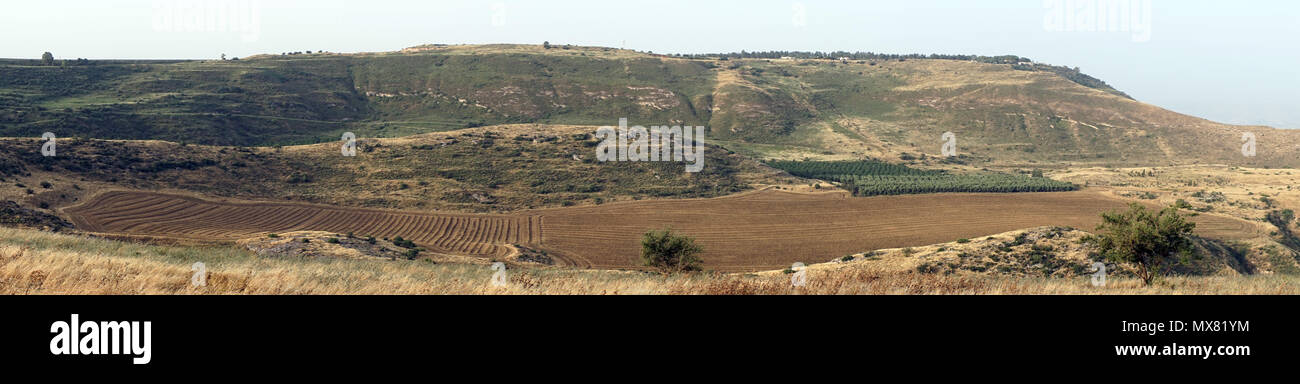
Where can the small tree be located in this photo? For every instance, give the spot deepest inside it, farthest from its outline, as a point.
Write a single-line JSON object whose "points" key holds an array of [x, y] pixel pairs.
{"points": [[47, 59], [670, 253], [546, 45], [1143, 238]]}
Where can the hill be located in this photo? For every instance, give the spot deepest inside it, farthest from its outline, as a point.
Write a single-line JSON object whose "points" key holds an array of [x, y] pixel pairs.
{"points": [[488, 169], [1004, 112]]}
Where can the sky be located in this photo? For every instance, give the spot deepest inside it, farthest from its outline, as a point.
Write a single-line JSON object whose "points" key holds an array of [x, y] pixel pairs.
{"points": [[1229, 61]]}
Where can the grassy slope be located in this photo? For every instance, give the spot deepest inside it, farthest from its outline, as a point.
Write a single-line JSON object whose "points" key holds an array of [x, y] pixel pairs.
{"points": [[312, 98], [475, 170], [1002, 116], [766, 108], [33, 262]]}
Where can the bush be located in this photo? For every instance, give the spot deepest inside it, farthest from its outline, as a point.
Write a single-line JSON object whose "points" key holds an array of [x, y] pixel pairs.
{"points": [[1145, 239], [670, 253], [404, 243]]}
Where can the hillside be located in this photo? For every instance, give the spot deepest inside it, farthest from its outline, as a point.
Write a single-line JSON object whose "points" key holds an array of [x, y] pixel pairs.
{"points": [[34, 262], [487, 151], [1003, 114], [488, 169]]}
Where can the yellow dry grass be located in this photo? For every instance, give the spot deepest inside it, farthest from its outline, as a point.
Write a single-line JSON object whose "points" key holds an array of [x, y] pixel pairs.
{"points": [[34, 262]]}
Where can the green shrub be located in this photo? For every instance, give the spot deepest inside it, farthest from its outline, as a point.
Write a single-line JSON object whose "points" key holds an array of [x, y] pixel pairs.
{"points": [[404, 243], [1148, 240], [670, 253], [874, 178]]}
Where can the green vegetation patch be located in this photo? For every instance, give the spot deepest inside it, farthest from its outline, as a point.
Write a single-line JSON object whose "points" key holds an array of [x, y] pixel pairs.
{"points": [[876, 178]]}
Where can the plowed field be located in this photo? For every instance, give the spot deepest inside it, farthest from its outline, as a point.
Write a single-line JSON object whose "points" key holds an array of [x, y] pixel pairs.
{"points": [[755, 231]]}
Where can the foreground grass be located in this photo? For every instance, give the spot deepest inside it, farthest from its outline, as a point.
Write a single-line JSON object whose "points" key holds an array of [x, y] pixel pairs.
{"points": [[34, 262]]}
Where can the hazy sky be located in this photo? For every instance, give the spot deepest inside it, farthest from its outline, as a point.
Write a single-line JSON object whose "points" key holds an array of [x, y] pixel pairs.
{"points": [[1230, 61]]}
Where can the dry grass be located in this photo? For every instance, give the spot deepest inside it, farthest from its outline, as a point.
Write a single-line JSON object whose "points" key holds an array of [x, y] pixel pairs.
{"points": [[34, 262]]}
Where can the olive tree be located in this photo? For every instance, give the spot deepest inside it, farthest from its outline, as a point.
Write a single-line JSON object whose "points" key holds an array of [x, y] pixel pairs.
{"points": [[670, 253], [1149, 240]]}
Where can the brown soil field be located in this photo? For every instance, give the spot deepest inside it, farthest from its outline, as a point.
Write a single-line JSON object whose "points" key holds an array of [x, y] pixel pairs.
{"points": [[189, 218], [747, 232]]}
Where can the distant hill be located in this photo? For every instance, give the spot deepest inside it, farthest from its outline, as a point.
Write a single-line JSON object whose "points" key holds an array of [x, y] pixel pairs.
{"points": [[1004, 110]]}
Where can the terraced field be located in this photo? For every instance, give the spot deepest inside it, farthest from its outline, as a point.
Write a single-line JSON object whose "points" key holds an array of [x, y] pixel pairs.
{"points": [[181, 217], [747, 232]]}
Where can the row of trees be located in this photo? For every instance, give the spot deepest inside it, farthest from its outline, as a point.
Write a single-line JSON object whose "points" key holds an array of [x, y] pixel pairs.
{"points": [[547, 45], [47, 59], [1022, 63], [875, 178], [1073, 74], [878, 185], [1005, 59], [821, 169]]}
